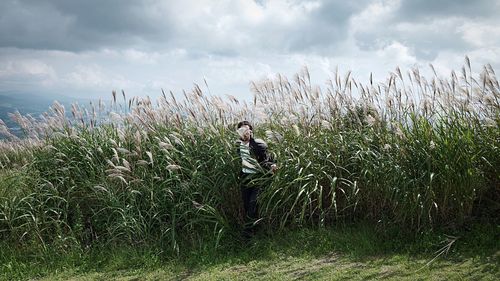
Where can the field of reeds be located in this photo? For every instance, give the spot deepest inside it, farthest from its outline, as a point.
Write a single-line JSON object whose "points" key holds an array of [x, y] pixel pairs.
{"points": [[414, 152]]}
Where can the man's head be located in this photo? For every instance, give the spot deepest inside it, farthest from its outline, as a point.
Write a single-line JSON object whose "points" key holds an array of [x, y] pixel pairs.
{"points": [[245, 130]]}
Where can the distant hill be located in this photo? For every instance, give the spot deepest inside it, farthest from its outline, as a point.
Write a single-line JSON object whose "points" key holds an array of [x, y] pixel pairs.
{"points": [[34, 104]]}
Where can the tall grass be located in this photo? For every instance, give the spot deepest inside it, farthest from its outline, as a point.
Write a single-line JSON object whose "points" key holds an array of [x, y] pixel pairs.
{"points": [[416, 152]]}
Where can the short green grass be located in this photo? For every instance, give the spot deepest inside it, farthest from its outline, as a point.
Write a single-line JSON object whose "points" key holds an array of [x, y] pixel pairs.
{"points": [[350, 252], [329, 267]]}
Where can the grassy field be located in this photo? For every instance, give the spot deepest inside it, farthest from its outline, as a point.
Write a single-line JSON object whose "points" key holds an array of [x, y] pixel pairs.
{"points": [[414, 157], [355, 252], [330, 267], [394, 268]]}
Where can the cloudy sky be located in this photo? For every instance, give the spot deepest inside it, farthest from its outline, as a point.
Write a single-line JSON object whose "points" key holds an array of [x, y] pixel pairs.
{"points": [[88, 48]]}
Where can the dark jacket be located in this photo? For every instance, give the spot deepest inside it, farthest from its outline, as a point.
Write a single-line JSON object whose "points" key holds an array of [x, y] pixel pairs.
{"points": [[258, 150]]}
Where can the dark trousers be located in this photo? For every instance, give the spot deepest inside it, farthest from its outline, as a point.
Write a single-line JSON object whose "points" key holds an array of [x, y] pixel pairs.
{"points": [[249, 194]]}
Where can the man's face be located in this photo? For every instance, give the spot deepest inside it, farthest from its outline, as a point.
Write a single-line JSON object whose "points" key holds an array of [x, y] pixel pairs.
{"points": [[245, 132]]}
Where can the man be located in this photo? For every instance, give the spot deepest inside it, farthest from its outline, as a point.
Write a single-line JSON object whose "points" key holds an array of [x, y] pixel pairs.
{"points": [[255, 161]]}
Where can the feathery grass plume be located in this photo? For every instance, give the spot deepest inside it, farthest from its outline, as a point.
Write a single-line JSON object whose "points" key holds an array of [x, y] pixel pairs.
{"points": [[173, 167], [413, 151]]}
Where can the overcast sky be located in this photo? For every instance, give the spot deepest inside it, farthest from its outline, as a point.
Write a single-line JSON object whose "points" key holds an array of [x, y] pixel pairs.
{"points": [[88, 48]]}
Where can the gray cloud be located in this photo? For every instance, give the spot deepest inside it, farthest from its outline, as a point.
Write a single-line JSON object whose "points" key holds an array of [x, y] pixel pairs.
{"points": [[326, 27], [227, 28], [427, 40], [413, 10], [94, 46], [428, 27], [150, 25], [79, 25]]}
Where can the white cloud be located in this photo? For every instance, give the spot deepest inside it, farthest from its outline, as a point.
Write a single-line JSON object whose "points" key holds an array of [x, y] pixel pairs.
{"points": [[96, 81], [140, 57], [143, 46], [374, 15], [480, 34], [396, 53], [447, 61], [26, 67]]}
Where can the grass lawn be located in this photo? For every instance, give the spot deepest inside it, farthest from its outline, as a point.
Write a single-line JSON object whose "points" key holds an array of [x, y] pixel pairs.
{"points": [[354, 252], [329, 267]]}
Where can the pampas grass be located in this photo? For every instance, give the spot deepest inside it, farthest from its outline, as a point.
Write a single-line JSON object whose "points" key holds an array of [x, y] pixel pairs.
{"points": [[414, 151]]}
